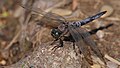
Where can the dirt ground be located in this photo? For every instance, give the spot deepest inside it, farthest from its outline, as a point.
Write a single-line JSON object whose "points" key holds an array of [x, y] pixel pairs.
{"points": [[41, 55]]}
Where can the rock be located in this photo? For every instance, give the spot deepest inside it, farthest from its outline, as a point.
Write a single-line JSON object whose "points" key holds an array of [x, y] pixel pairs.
{"points": [[111, 65], [100, 34], [96, 66], [107, 8]]}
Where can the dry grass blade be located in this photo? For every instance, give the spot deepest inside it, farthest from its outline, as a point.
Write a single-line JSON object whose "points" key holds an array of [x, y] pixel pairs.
{"points": [[112, 59], [14, 40], [84, 48]]}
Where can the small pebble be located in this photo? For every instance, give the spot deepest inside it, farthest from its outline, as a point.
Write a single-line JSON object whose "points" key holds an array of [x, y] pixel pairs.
{"points": [[3, 62], [107, 8], [111, 65], [100, 34], [96, 66], [31, 67]]}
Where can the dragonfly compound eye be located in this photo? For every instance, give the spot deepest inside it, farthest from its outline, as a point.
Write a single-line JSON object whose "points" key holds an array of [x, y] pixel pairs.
{"points": [[56, 33]]}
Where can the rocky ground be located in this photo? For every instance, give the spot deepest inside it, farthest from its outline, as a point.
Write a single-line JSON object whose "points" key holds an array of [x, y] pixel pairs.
{"points": [[41, 55]]}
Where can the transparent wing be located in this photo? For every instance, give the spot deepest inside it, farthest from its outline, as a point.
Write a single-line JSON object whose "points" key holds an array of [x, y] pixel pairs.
{"points": [[77, 36], [38, 11], [87, 39]]}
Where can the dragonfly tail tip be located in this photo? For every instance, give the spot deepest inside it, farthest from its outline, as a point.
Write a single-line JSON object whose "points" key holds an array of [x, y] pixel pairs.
{"points": [[104, 12]]}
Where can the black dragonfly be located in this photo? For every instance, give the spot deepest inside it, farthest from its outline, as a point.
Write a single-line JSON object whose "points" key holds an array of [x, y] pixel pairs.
{"points": [[60, 28]]}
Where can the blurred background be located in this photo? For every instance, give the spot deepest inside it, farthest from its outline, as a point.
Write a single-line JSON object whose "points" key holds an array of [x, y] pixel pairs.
{"points": [[17, 38]]}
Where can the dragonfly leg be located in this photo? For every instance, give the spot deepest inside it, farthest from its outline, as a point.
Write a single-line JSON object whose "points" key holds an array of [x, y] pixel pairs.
{"points": [[75, 49], [58, 46], [74, 45], [61, 43], [53, 41]]}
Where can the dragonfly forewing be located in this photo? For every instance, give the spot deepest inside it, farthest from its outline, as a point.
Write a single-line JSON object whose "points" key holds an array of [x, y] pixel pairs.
{"points": [[88, 40], [48, 18], [84, 49]]}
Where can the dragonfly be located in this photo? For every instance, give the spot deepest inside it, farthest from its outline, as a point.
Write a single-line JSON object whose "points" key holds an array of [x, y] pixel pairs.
{"points": [[79, 36], [60, 27]]}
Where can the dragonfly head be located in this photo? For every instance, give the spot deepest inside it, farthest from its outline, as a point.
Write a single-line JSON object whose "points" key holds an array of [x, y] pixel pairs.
{"points": [[56, 33]]}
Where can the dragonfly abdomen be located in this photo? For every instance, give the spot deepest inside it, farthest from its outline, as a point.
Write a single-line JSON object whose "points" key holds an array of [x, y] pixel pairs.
{"points": [[87, 20]]}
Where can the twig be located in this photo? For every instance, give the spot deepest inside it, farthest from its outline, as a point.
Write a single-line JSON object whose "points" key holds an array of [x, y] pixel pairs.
{"points": [[113, 18], [112, 59], [13, 40]]}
